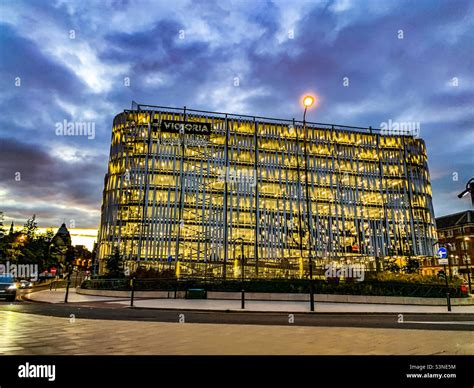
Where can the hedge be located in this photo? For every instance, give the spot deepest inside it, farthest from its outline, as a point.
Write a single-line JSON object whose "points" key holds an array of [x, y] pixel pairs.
{"points": [[368, 287]]}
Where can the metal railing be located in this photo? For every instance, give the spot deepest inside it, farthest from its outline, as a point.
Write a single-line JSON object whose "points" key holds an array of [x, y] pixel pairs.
{"points": [[221, 115], [321, 286]]}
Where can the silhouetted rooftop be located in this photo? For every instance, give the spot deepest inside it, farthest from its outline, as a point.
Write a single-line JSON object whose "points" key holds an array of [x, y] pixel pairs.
{"points": [[456, 219]]}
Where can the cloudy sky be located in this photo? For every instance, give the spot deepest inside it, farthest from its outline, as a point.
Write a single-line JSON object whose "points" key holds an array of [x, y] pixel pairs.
{"points": [[368, 61]]}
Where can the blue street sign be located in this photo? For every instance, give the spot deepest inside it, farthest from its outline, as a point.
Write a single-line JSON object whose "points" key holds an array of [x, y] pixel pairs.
{"points": [[442, 253], [170, 259]]}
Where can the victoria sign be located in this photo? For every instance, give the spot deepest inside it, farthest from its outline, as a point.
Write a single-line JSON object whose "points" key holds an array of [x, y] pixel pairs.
{"points": [[185, 127]]}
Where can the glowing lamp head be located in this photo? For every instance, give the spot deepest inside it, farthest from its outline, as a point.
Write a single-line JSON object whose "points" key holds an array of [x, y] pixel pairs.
{"points": [[308, 101]]}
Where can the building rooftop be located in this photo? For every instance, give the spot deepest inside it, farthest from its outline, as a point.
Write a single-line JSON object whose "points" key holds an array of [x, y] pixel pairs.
{"points": [[62, 236], [369, 130], [456, 219]]}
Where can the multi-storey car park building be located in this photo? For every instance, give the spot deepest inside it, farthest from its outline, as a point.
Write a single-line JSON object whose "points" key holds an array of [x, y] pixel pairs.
{"points": [[211, 193]]}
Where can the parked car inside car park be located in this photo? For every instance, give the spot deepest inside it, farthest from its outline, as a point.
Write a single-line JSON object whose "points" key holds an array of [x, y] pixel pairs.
{"points": [[8, 287]]}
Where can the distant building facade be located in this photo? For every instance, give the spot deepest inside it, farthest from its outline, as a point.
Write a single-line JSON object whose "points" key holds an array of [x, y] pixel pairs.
{"points": [[456, 233]]}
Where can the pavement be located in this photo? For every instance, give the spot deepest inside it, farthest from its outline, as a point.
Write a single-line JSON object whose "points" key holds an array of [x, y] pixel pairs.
{"points": [[29, 334], [40, 323], [57, 296]]}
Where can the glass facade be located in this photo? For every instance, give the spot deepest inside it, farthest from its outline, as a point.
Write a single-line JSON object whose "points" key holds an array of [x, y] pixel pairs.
{"points": [[198, 203]]}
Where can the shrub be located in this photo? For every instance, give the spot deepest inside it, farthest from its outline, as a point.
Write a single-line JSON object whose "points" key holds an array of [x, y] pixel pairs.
{"points": [[396, 286], [152, 273]]}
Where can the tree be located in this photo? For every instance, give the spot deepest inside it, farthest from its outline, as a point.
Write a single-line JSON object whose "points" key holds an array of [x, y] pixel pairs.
{"points": [[153, 273], [114, 264], [30, 228], [2, 230], [70, 256], [33, 250], [27, 246], [43, 245], [11, 247], [411, 266], [392, 266]]}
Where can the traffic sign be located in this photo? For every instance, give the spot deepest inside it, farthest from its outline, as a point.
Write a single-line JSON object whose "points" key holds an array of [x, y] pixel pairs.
{"points": [[442, 256], [442, 253], [170, 259]]}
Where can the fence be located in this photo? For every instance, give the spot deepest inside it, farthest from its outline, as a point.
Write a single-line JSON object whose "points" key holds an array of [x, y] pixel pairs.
{"points": [[369, 287]]}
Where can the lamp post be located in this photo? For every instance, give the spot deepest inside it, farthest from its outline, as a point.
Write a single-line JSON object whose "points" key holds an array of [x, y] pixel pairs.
{"points": [[242, 269], [308, 101], [448, 247], [68, 283], [467, 260], [242, 272], [242, 257], [448, 298], [469, 189]]}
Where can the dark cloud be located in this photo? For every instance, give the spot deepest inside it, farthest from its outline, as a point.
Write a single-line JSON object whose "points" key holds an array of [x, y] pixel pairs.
{"points": [[83, 79], [31, 175]]}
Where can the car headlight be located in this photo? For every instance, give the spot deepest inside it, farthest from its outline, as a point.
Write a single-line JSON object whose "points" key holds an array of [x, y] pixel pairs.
{"points": [[13, 287]]}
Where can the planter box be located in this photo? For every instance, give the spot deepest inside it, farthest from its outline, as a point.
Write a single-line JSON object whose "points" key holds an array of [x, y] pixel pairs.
{"points": [[196, 293]]}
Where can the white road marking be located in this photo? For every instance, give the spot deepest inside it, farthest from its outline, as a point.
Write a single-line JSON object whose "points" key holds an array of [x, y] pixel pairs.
{"points": [[442, 323]]}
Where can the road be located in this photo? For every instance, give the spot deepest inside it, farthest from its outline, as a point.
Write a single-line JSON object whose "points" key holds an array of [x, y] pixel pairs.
{"points": [[112, 311], [31, 334], [98, 328]]}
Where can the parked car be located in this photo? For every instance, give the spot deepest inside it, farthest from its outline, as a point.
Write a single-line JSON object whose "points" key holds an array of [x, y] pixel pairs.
{"points": [[26, 284], [8, 287]]}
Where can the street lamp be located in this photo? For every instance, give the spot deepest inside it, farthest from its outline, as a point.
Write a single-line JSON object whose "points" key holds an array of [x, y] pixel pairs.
{"points": [[308, 101], [448, 299], [467, 260], [242, 270], [469, 189]]}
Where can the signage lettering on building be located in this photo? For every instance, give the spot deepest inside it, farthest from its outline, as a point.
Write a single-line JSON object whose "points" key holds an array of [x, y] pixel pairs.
{"points": [[185, 127]]}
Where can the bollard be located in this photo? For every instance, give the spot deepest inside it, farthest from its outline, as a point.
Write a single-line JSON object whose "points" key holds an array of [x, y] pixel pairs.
{"points": [[132, 283], [68, 282], [311, 295], [448, 299], [243, 300]]}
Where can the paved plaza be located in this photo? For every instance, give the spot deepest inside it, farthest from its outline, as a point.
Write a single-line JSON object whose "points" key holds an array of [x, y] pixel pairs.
{"points": [[29, 334], [57, 296]]}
